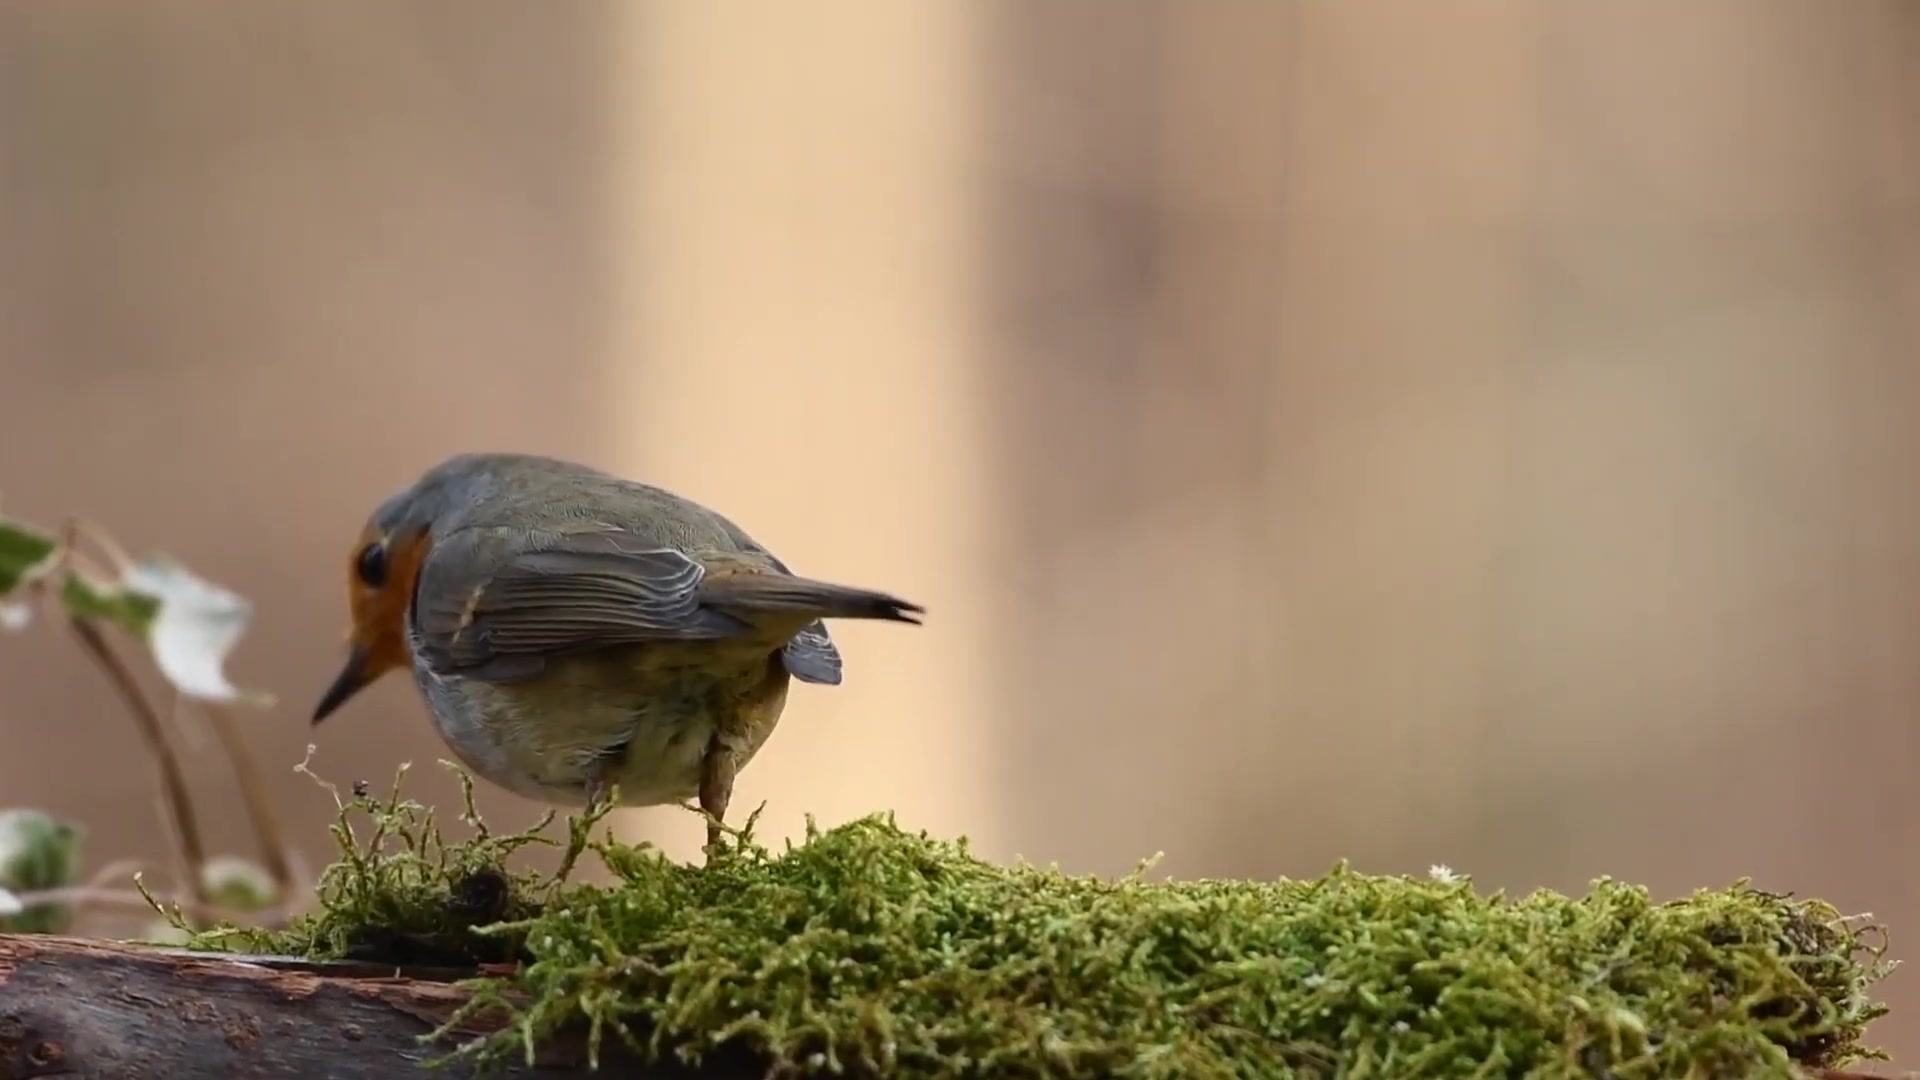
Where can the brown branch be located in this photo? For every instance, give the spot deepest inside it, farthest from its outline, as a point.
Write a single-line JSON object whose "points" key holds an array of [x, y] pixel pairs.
{"points": [[95, 1009], [253, 791], [173, 782]]}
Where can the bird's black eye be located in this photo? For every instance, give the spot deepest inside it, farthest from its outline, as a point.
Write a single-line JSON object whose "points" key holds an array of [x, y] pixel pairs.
{"points": [[372, 565]]}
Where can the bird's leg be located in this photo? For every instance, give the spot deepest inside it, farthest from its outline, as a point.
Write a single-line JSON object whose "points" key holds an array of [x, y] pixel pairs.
{"points": [[601, 771], [716, 790], [596, 788], [599, 790]]}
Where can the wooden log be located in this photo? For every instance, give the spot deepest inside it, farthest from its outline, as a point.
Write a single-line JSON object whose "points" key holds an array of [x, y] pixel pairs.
{"points": [[83, 1008], [103, 1010]]}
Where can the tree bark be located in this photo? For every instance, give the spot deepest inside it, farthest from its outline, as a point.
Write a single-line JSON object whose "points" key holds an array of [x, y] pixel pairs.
{"points": [[83, 1008]]}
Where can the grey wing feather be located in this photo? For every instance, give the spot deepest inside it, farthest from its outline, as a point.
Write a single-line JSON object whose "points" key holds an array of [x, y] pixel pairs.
{"points": [[810, 656], [493, 604]]}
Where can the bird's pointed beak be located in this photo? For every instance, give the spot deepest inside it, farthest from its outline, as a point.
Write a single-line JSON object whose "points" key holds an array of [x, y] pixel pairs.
{"points": [[353, 678]]}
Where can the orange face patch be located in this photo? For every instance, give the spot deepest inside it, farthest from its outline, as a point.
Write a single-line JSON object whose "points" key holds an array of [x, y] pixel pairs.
{"points": [[380, 613]]}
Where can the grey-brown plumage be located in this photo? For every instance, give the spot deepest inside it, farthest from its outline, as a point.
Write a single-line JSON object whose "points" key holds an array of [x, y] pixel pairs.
{"points": [[573, 631]]}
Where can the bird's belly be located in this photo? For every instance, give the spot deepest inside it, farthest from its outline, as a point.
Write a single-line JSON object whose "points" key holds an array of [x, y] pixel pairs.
{"points": [[545, 737]]}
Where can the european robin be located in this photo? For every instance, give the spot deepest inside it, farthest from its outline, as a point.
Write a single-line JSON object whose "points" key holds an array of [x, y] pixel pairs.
{"points": [[574, 633]]}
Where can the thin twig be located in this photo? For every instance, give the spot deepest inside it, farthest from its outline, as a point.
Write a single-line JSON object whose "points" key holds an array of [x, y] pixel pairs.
{"points": [[190, 730], [76, 529], [126, 868], [78, 896], [173, 783], [266, 827], [181, 871], [38, 585], [102, 878], [302, 872]]}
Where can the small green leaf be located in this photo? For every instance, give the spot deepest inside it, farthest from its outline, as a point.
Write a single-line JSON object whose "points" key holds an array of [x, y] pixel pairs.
{"points": [[237, 884], [37, 851], [189, 623], [23, 551], [132, 611]]}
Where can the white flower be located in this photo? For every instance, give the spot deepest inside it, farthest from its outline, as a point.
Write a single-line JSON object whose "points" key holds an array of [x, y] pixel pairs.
{"points": [[1442, 873]]}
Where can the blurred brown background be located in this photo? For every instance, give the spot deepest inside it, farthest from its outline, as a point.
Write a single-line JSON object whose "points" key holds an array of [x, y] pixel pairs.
{"points": [[1480, 436]]}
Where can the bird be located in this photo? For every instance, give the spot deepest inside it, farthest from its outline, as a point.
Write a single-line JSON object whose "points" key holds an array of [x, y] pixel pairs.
{"points": [[576, 635]]}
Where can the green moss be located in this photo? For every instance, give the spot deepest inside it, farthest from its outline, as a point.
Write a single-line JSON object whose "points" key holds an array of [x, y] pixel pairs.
{"points": [[868, 949]]}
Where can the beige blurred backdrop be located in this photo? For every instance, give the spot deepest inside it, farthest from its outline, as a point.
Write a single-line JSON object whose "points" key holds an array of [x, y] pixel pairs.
{"points": [[1478, 434]]}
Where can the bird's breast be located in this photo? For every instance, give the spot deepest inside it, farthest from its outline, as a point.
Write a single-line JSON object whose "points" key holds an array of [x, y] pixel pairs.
{"points": [[647, 715]]}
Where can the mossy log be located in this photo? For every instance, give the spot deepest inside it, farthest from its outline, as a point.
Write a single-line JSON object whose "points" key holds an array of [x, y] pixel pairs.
{"points": [[86, 1009], [867, 951], [83, 1008]]}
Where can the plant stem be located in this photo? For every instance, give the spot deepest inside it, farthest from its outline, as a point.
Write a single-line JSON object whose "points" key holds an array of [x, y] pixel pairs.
{"points": [[124, 868], [80, 896], [77, 529], [173, 783], [266, 827]]}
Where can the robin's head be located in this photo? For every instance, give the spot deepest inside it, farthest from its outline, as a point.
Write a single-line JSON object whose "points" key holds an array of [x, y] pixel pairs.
{"points": [[381, 571], [385, 560]]}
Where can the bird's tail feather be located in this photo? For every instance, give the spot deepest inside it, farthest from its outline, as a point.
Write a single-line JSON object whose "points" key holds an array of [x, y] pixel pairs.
{"points": [[747, 594]]}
